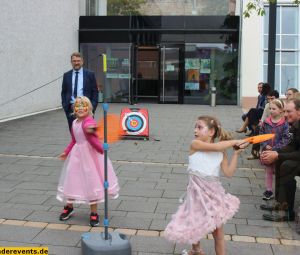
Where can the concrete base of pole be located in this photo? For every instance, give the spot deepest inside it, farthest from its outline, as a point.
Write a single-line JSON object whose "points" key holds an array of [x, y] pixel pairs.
{"points": [[95, 244]]}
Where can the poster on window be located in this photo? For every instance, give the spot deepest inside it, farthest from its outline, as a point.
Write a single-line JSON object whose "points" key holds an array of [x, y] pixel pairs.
{"points": [[193, 75], [205, 65], [191, 86], [192, 63]]}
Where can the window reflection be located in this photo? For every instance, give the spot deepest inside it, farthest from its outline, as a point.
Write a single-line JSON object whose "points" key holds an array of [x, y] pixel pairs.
{"points": [[114, 84], [210, 65]]}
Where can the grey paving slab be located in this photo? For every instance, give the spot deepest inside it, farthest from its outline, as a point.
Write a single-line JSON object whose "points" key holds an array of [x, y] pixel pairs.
{"points": [[149, 192], [58, 237], [145, 215], [174, 186], [33, 207], [246, 230], [15, 168], [32, 199], [166, 208], [36, 185], [265, 223], [8, 213], [6, 160], [20, 177], [63, 250], [230, 229], [165, 200], [125, 222], [154, 245], [237, 221], [247, 199], [140, 185], [44, 216], [132, 198], [16, 244], [131, 191], [5, 196], [8, 184], [19, 234], [286, 250], [243, 248], [249, 211], [133, 206], [289, 233]]}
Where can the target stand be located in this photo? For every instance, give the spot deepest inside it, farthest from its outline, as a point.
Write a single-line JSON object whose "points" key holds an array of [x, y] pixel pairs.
{"points": [[134, 123]]}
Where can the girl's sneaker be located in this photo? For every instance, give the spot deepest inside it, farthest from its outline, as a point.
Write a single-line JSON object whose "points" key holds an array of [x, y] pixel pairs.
{"points": [[267, 195], [94, 219], [66, 214]]}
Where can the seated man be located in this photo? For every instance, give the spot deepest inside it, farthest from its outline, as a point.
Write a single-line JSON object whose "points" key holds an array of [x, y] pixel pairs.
{"points": [[287, 162]]}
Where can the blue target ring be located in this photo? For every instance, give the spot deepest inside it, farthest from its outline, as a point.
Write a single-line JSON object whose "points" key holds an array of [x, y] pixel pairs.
{"points": [[134, 123]]}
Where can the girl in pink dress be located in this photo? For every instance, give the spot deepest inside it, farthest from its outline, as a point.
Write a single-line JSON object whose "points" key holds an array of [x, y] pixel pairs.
{"points": [[82, 176], [206, 207]]}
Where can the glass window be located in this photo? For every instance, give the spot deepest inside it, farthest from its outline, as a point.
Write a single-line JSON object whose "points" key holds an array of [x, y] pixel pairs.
{"points": [[266, 41], [210, 65], [287, 48], [289, 57], [114, 84], [170, 7], [289, 77], [289, 42], [289, 20], [91, 7]]}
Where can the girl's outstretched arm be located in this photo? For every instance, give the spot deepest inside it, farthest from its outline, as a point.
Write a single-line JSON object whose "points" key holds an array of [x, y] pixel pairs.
{"points": [[198, 145], [230, 167]]}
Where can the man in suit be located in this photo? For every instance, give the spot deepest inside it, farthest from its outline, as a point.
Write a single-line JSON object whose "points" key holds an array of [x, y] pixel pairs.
{"points": [[77, 82], [287, 166]]}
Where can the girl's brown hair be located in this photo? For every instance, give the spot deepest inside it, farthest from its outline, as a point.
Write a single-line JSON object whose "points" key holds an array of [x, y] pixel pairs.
{"points": [[213, 123]]}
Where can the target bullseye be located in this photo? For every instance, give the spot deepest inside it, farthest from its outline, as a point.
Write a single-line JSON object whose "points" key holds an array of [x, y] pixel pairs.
{"points": [[134, 122]]}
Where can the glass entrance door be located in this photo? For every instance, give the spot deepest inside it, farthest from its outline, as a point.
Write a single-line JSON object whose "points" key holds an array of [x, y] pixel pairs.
{"points": [[145, 74], [170, 74]]}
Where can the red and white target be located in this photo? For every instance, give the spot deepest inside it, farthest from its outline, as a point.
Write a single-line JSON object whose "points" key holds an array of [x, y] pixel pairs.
{"points": [[134, 122]]}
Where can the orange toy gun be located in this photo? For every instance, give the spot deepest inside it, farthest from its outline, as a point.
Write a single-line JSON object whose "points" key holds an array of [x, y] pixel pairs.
{"points": [[255, 139]]}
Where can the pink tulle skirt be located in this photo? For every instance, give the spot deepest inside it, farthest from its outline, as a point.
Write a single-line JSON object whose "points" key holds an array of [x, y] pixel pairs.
{"points": [[206, 207], [82, 177]]}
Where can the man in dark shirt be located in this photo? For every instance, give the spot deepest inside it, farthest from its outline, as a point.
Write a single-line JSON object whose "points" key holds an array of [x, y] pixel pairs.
{"points": [[287, 162]]}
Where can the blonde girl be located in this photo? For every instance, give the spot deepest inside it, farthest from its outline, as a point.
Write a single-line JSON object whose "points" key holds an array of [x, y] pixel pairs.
{"points": [[275, 124], [82, 177]]}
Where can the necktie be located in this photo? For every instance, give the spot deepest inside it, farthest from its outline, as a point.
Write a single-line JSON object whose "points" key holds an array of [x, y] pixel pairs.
{"points": [[75, 85]]}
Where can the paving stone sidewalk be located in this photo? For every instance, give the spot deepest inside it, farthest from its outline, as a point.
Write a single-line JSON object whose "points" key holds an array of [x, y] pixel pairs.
{"points": [[152, 175]]}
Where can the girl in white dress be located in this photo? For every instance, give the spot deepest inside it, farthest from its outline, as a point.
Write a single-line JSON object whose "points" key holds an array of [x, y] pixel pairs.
{"points": [[206, 207]]}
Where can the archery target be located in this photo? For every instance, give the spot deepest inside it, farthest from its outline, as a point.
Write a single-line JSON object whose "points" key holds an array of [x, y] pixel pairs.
{"points": [[134, 122]]}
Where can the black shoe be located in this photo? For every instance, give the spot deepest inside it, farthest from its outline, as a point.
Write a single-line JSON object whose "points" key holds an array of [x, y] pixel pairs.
{"points": [[273, 207], [94, 219], [267, 195], [66, 214], [279, 218]]}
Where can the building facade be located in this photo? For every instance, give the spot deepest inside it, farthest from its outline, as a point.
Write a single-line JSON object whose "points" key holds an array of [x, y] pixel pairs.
{"points": [[163, 59], [163, 51], [254, 49]]}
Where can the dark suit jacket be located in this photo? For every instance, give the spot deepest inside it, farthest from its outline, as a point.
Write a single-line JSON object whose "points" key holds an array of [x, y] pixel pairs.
{"points": [[292, 150], [89, 89]]}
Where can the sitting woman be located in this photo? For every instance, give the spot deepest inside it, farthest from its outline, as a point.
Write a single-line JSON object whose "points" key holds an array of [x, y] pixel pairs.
{"points": [[290, 93], [253, 116]]}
